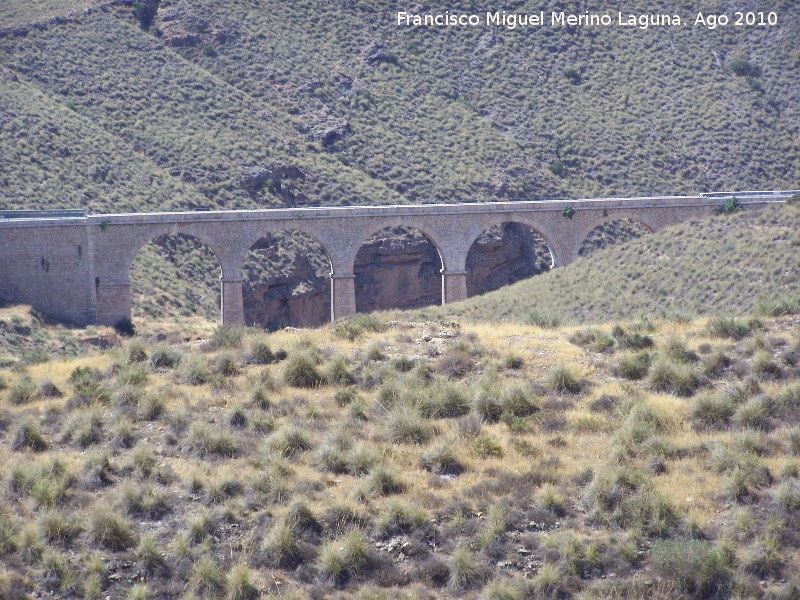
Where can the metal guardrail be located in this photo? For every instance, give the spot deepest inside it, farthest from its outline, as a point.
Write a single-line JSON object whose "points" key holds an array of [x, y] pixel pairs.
{"points": [[66, 213], [751, 194]]}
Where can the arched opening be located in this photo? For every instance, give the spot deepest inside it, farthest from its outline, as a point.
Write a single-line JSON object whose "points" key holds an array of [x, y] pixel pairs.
{"points": [[397, 267], [611, 232], [175, 276], [505, 254], [286, 281]]}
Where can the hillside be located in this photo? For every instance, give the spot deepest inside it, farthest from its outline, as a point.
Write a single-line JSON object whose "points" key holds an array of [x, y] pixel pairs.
{"points": [[117, 106], [730, 264], [426, 460], [211, 89]]}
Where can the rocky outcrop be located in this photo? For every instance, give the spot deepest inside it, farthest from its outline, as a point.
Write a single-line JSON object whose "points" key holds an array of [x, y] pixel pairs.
{"points": [[297, 294], [396, 268], [255, 177], [503, 255]]}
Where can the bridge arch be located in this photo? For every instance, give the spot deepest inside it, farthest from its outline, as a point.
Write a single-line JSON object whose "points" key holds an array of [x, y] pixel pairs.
{"points": [[363, 234], [522, 253], [640, 218], [286, 279], [550, 240], [188, 258], [382, 280]]}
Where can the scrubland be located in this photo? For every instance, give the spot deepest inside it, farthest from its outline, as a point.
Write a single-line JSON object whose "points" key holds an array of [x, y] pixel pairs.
{"points": [[400, 459]]}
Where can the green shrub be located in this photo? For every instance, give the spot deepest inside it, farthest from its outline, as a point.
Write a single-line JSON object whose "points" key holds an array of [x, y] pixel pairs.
{"points": [[731, 206], [744, 68], [226, 336], [207, 578], [281, 544], [194, 371], [633, 365], [466, 570], [206, 440], [563, 380], [406, 426], [557, 168], [23, 390], [693, 565], [442, 459], [110, 530], [732, 327], [164, 356], [301, 371], [711, 410], [346, 557], [27, 436]]}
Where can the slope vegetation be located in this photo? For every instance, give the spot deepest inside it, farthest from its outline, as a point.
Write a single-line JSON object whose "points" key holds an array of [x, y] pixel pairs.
{"points": [[422, 460], [728, 264], [273, 102]]}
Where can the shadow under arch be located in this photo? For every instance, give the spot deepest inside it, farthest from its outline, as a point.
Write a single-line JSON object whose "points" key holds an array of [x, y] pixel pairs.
{"points": [[286, 280], [505, 253], [611, 230], [398, 266], [175, 274]]}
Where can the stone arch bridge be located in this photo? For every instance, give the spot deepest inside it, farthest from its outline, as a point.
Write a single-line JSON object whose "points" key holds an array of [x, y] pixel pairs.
{"points": [[77, 268]]}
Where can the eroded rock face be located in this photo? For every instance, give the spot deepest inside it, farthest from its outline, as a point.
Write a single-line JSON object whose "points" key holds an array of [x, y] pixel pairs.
{"points": [[394, 269], [503, 255], [285, 287]]}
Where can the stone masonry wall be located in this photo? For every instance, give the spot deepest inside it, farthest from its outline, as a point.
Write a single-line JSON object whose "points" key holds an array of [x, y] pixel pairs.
{"points": [[79, 269], [49, 265]]}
